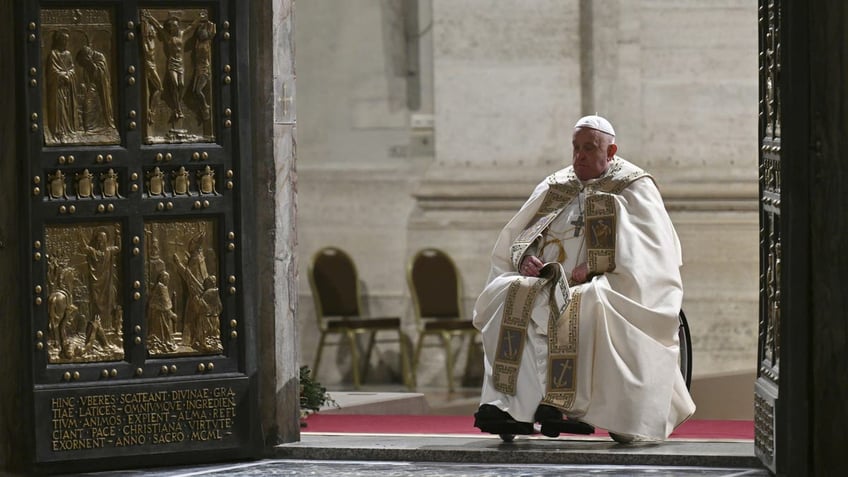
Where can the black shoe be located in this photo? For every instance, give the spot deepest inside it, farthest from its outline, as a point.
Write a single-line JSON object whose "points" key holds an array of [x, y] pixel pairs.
{"points": [[546, 412], [549, 417], [489, 418], [553, 423]]}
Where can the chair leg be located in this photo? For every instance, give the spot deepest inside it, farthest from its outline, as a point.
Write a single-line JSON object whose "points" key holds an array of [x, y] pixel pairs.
{"points": [[406, 368], [318, 354], [354, 357], [366, 363], [417, 358], [446, 344]]}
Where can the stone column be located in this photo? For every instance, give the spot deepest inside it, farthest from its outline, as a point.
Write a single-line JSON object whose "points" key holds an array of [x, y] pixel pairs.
{"points": [[275, 178], [686, 111], [506, 94]]}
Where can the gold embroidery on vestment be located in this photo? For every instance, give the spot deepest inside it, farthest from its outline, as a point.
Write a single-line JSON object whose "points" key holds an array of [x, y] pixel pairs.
{"points": [[562, 189], [600, 235], [518, 307], [562, 356], [563, 324]]}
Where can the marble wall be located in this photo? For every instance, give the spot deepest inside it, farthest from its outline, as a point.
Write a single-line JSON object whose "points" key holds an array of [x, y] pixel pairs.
{"points": [[508, 79], [679, 78]]}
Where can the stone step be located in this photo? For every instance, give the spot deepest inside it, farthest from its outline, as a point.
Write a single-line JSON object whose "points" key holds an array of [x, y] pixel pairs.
{"points": [[378, 403]]}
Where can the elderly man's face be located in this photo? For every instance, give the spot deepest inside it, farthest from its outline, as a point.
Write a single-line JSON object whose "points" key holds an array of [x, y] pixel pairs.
{"points": [[592, 153]]}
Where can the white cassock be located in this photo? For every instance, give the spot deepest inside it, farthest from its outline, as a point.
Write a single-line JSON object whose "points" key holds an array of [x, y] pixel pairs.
{"points": [[623, 321]]}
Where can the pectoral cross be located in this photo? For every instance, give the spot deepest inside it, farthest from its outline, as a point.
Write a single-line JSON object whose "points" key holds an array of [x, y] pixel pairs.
{"points": [[578, 225]]}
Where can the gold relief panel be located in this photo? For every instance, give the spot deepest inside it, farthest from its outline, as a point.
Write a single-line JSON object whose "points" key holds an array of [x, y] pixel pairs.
{"points": [[770, 66], [84, 311], [83, 184], [79, 102], [109, 184], [771, 346], [176, 47], [206, 181], [183, 310], [181, 181], [155, 182], [57, 188]]}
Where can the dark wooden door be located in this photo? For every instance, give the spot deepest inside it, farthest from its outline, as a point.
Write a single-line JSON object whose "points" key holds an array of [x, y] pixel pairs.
{"points": [[134, 154], [801, 386]]}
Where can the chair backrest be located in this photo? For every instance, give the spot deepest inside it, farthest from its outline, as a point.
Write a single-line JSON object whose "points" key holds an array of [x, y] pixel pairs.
{"points": [[435, 285], [335, 283]]}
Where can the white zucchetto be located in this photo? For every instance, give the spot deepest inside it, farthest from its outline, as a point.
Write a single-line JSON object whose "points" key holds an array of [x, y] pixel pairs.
{"points": [[597, 123]]}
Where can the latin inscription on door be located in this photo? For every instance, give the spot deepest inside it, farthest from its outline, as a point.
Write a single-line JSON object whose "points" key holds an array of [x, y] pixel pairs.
{"points": [[101, 421]]}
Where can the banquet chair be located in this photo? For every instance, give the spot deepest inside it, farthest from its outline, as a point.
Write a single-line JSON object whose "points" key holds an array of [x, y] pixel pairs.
{"points": [[338, 308], [436, 288]]}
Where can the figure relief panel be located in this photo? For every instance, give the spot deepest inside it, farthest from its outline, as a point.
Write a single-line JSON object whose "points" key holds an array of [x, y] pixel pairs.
{"points": [[84, 311], [176, 48], [79, 104], [770, 66], [183, 311]]}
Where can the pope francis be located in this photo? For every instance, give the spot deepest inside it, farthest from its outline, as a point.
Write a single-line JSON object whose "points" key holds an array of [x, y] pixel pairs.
{"points": [[579, 316]]}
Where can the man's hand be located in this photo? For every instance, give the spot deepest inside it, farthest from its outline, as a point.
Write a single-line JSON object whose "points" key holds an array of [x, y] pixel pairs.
{"points": [[580, 273], [530, 266]]}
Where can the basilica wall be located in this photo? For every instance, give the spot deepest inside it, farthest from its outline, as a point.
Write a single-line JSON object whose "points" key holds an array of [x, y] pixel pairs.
{"points": [[680, 81], [428, 123]]}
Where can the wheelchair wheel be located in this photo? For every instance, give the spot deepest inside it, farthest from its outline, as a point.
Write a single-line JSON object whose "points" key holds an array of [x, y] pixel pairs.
{"points": [[685, 349], [507, 437]]}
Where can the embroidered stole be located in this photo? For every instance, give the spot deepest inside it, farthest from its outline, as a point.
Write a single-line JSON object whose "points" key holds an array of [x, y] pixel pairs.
{"points": [[518, 308], [563, 323]]}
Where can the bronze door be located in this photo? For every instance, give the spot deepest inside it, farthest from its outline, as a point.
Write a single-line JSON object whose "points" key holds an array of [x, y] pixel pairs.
{"points": [[768, 370], [137, 170]]}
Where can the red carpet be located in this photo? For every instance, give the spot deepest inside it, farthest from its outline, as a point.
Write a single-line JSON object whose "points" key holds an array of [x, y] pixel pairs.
{"points": [[424, 424]]}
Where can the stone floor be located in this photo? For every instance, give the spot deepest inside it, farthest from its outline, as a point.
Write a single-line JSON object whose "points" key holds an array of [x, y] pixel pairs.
{"points": [[343, 455], [348, 455], [524, 450], [285, 467]]}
